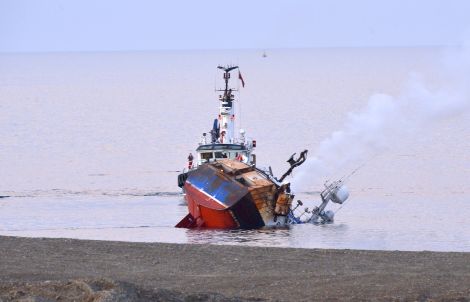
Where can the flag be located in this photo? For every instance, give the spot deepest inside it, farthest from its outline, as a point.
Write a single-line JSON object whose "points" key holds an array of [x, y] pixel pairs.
{"points": [[241, 78]]}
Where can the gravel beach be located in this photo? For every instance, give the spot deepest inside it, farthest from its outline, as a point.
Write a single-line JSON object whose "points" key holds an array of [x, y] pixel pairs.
{"points": [[37, 269]]}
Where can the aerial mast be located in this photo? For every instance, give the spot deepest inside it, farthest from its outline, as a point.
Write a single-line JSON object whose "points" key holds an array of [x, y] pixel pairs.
{"points": [[226, 110]]}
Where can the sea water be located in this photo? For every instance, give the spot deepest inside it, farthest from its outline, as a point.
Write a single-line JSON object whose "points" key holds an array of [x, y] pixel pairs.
{"points": [[91, 145]]}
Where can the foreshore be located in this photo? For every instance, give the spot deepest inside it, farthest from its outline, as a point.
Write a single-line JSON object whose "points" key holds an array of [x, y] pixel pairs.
{"points": [[38, 269]]}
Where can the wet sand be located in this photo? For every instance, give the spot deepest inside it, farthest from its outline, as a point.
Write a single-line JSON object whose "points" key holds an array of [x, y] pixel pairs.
{"points": [[39, 269]]}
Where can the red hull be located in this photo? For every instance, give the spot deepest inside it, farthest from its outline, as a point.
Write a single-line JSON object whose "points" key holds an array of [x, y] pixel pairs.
{"points": [[215, 216], [218, 201]]}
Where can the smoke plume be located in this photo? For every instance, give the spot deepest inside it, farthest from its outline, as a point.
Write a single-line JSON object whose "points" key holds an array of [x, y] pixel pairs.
{"points": [[390, 120]]}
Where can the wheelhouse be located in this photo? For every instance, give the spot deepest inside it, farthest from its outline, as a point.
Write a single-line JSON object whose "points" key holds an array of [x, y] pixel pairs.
{"points": [[212, 152]]}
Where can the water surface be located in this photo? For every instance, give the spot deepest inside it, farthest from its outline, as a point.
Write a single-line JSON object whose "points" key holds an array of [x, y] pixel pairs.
{"points": [[90, 145]]}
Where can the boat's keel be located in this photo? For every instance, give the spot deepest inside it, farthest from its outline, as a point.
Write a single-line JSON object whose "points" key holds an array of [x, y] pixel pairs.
{"points": [[187, 222]]}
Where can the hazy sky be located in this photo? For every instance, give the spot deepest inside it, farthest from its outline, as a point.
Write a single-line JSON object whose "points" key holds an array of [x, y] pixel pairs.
{"points": [[101, 25]]}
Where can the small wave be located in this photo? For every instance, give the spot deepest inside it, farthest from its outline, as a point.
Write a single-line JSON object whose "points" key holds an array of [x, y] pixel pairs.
{"points": [[61, 192], [310, 192], [158, 194], [77, 228]]}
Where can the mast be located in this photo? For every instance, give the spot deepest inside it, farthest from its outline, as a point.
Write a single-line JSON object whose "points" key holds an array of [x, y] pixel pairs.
{"points": [[227, 109]]}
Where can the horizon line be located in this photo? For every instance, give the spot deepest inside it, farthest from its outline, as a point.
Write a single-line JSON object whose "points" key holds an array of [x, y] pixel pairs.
{"points": [[225, 49]]}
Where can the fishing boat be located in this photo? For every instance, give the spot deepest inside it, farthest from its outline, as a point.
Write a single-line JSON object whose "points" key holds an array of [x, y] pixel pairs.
{"points": [[224, 188]]}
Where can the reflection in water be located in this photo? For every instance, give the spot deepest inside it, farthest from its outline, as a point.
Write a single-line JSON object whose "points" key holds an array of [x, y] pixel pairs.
{"points": [[304, 236], [262, 237]]}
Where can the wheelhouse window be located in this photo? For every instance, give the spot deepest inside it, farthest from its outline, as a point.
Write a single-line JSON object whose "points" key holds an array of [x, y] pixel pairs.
{"points": [[206, 156], [220, 155]]}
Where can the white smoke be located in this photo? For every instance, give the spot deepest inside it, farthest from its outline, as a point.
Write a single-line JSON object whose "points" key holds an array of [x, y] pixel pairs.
{"points": [[387, 120]]}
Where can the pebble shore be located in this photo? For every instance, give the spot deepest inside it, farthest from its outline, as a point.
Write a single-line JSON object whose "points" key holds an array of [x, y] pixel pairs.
{"points": [[40, 269]]}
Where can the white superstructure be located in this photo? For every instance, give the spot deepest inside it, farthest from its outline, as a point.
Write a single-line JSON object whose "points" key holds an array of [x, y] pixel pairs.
{"points": [[223, 141]]}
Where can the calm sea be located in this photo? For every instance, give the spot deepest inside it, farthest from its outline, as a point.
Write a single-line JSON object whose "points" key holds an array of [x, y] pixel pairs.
{"points": [[90, 145]]}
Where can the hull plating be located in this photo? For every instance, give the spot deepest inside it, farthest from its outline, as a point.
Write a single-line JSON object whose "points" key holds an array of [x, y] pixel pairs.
{"points": [[216, 200]]}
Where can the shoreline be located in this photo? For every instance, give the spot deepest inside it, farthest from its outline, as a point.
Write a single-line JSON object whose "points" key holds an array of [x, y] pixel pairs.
{"points": [[45, 267]]}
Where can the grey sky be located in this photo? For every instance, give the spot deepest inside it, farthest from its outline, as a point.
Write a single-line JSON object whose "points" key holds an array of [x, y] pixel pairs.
{"points": [[102, 25]]}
